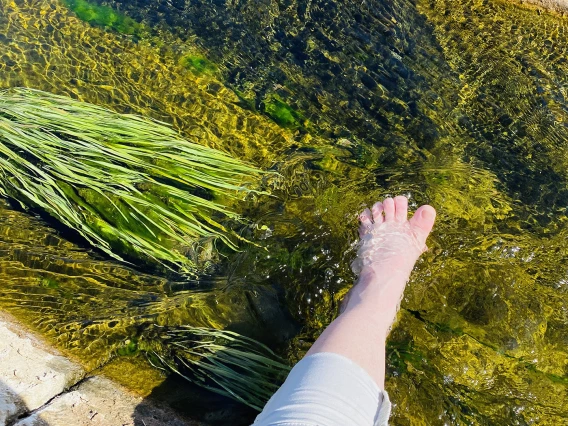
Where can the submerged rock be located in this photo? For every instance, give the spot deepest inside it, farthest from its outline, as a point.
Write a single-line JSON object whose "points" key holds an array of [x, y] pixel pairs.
{"points": [[560, 6]]}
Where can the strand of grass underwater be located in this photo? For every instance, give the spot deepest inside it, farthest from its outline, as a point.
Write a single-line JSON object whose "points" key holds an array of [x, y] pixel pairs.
{"points": [[221, 361], [127, 184]]}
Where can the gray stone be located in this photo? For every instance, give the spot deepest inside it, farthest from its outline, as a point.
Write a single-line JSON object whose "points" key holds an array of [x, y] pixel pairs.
{"points": [[39, 387], [10, 404], [99, 402], [30, 373]]}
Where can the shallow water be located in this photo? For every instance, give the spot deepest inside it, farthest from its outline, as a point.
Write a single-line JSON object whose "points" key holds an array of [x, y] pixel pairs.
{"points": [[461, 104]]}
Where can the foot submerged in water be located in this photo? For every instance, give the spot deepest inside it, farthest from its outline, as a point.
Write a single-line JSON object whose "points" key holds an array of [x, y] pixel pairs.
{"points": [[389, 247]]}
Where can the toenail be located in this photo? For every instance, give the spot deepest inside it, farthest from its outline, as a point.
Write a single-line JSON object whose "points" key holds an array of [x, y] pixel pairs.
{"points": [[427, 214]]}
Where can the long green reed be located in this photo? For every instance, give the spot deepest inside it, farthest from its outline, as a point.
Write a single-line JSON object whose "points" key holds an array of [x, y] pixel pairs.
{"points": [[129, 185], [221, 361]]}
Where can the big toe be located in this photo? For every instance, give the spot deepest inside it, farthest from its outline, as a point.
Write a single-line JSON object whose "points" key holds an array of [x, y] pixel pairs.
{"points": [[423, 220]]}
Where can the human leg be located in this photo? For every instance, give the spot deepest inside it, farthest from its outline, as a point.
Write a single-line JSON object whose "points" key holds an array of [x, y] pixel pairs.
{"points": [[341, 379]]}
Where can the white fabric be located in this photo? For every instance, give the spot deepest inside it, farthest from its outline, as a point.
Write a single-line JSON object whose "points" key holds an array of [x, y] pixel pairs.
{"points": [[326, 389]]}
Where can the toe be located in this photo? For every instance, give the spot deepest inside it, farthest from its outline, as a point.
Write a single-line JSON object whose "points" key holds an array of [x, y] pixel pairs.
{"points": [[401, 208], [366, 222], [388, 205], [377, 211], [423, 220]]}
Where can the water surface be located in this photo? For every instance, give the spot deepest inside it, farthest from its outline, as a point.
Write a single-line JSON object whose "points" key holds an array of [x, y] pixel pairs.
{"points": [[460, 104]]}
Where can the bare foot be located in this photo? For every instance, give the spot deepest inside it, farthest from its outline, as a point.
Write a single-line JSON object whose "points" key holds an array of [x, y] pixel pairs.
{"points": [[389, 247]]}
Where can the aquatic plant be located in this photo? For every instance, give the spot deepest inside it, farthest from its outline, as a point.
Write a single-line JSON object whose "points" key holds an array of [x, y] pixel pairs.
{"points": [[198, 64], [104, 16], [219, 360], [127, 184], [281, 112]]}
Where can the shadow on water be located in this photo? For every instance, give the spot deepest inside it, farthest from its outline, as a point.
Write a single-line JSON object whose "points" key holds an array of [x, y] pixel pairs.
{"points": [[192, 405]]}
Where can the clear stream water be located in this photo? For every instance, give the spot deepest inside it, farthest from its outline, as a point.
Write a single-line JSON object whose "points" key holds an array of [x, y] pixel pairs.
{"points": [[462, 104]]}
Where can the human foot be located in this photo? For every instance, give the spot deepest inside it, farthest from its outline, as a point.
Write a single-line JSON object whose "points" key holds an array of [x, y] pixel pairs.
{"points": [[389, 247]]}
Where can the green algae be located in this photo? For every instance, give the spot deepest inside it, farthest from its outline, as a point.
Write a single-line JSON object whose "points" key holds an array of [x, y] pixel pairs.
{"points": [[129, 348], [198, 64], [281, 112], [104, 16], [49, 283]]}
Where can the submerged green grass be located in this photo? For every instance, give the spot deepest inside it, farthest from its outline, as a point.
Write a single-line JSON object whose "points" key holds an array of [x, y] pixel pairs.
{"points": [[219, 360], [129, 185]]}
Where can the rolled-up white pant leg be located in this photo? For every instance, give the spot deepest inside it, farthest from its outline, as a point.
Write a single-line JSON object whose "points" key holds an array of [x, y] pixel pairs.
{"points": [[327, 389]]}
